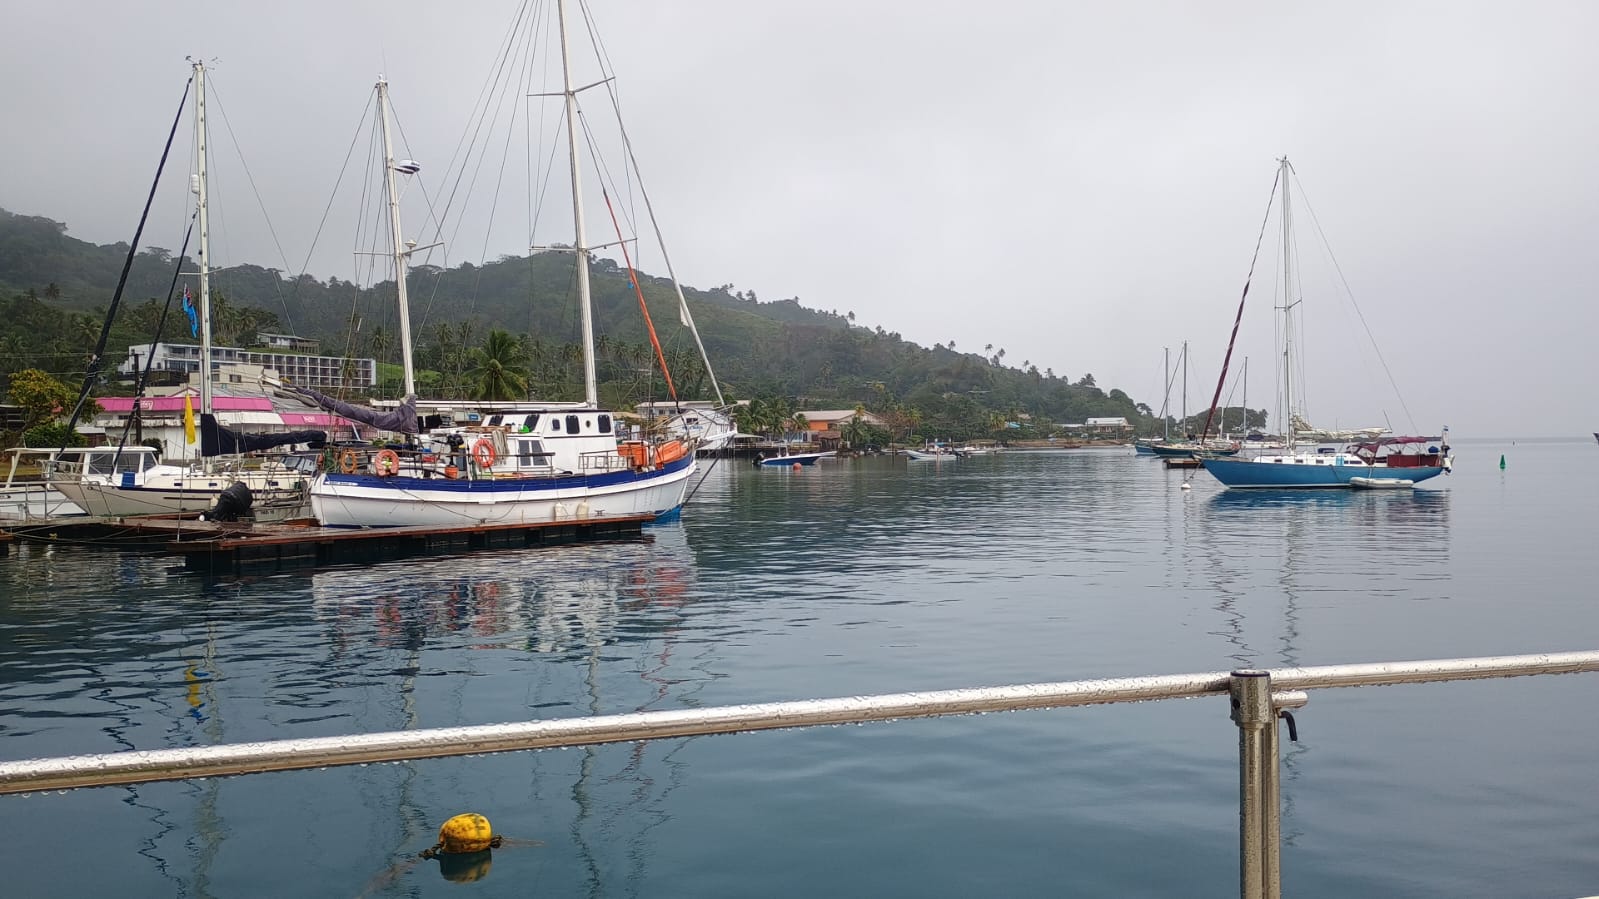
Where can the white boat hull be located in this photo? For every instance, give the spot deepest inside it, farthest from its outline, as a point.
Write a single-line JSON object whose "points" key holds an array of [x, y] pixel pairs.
{"points": [[117, 501], [23, 501], [353, 500]]}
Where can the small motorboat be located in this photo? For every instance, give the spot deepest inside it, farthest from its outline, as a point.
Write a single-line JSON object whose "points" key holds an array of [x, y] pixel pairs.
{"points": [[787, 459]]}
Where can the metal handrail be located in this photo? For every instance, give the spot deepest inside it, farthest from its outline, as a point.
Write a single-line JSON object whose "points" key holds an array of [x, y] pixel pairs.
{"points": [[1257, 696]]}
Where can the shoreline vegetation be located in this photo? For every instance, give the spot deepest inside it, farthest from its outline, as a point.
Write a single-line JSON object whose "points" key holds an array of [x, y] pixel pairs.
{"points": [[785, 355]]}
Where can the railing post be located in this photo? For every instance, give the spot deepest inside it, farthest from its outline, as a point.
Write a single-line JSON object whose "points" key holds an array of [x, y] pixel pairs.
{"points": [[1258, 826]]}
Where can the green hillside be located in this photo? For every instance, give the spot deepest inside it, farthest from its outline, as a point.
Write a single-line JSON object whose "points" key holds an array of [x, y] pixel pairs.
{"points": [[54, 289]]}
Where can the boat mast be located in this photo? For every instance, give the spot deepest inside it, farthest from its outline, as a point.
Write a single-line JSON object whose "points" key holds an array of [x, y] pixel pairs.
{"points": [[590, 386], [1186, 429], [401, 251], [1165, 404], [205, 236], [1288, 309]]}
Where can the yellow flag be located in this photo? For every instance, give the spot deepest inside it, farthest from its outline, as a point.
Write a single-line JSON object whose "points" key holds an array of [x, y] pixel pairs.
{"points": [[188, 420]]}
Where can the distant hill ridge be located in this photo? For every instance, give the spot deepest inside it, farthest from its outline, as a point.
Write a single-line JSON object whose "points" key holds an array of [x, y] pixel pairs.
{"points": [[757, 348]]}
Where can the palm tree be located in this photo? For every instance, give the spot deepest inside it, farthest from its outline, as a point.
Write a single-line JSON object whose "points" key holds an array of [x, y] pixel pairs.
{"points": [[499, 368], [854, 430]]}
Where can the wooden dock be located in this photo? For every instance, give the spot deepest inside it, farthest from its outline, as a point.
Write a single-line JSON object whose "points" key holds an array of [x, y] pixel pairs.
{"points": [[246, 547]]}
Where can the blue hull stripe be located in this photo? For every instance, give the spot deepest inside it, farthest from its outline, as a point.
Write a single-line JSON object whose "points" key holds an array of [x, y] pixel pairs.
{"points": [[511, 485], [1241, 473]]}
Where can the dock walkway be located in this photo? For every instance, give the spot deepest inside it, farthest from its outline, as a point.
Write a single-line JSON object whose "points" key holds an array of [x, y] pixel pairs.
{"points": [[236, 547]]}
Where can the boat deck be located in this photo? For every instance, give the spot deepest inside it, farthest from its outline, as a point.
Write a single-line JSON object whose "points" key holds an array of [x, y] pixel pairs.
{"points": [[237, 547]]}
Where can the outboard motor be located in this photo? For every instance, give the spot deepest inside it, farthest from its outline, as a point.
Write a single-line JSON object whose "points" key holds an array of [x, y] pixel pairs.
{"points": [[232, 504]]}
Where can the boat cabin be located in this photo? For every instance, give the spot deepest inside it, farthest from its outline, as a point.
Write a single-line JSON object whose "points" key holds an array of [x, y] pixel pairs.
{"points": [[108, 464], [532, 443]]}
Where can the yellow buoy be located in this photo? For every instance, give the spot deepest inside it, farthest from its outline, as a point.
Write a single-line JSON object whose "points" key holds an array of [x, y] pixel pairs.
{"points": [[466, 833]]}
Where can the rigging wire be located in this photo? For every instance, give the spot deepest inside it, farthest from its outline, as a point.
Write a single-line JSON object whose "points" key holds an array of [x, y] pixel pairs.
{"points": [[122, 281], [684, 315], [277, 283], [632, 276], [1350, 294], [489, 81], [1227, 360], [141, 378], [317, 236]]}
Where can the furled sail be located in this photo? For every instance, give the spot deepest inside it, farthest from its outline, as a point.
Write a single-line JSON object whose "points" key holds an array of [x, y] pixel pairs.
{"points": [[217, 439], [401, 421]]}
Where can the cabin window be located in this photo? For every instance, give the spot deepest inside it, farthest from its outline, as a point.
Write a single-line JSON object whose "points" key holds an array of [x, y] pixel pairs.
{"points": [[531, 422], [531, 453], [605, 424], [494, 420], [571, 424], [555, 425]]}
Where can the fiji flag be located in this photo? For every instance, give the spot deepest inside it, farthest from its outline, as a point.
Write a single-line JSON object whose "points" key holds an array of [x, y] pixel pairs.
{"points": [[191, 312]]}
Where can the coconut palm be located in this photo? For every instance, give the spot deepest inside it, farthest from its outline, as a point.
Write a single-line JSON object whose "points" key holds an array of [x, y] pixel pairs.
{"points": [[499, 368]]}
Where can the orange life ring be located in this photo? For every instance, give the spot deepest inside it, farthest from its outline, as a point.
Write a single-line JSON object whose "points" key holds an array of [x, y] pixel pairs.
{"points": [[348, 462], [386, 463], [483, 453]]}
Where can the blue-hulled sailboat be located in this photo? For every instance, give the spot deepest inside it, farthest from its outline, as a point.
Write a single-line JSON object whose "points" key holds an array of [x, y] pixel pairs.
{"points": [[1365, 463]]}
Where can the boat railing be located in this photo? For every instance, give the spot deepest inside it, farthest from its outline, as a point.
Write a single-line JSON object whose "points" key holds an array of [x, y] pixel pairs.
{"points": [[602, 461], [1257, 700]]}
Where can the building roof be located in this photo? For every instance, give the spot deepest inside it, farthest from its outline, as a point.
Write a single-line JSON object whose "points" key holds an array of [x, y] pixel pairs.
{"points": [[820, 415]]}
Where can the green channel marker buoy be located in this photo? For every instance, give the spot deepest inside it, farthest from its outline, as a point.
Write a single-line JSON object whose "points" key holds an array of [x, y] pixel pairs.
{"points": [[1501, 461]]}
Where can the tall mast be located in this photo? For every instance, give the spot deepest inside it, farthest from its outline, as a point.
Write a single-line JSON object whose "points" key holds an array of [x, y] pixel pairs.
{"points": [[1288, 309], [591, 392], [205, 236], [1165, 404], [1186, 429], [401, 252], [1244, 425]]}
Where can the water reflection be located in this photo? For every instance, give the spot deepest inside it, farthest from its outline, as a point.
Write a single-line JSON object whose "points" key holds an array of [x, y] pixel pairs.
{"points": [[587, 630], [1282, 546], [1312, 545]]}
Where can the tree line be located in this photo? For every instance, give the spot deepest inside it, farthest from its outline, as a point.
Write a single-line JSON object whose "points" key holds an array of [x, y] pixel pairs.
{"points": [[509, 329]]}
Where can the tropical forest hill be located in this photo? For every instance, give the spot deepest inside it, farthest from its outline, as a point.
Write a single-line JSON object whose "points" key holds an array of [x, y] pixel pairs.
{"points": [[54, 290]]}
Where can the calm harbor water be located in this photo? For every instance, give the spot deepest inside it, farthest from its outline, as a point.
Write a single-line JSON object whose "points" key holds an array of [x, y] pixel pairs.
{"points": [[854, 577]]}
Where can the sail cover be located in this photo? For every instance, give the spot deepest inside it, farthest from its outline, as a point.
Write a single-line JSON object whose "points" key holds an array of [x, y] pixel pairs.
{"points": [[401, 421], [217, 439]]}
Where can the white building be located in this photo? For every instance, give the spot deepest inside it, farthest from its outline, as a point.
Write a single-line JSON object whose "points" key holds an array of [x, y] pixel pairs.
{"points": [[1108, 424], [320, 372], [287, 342]]}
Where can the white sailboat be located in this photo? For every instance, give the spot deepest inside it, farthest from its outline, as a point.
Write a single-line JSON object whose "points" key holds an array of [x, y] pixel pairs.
{"points": [[25, 498], [523, 463], [119, 481]]}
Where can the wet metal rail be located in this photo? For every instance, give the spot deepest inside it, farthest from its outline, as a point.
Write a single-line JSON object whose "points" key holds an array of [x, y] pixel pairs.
{"points": [[1257, 700]]}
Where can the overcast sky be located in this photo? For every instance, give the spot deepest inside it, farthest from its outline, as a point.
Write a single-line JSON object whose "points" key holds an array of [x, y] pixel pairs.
{"points": [[1081, 184]]}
